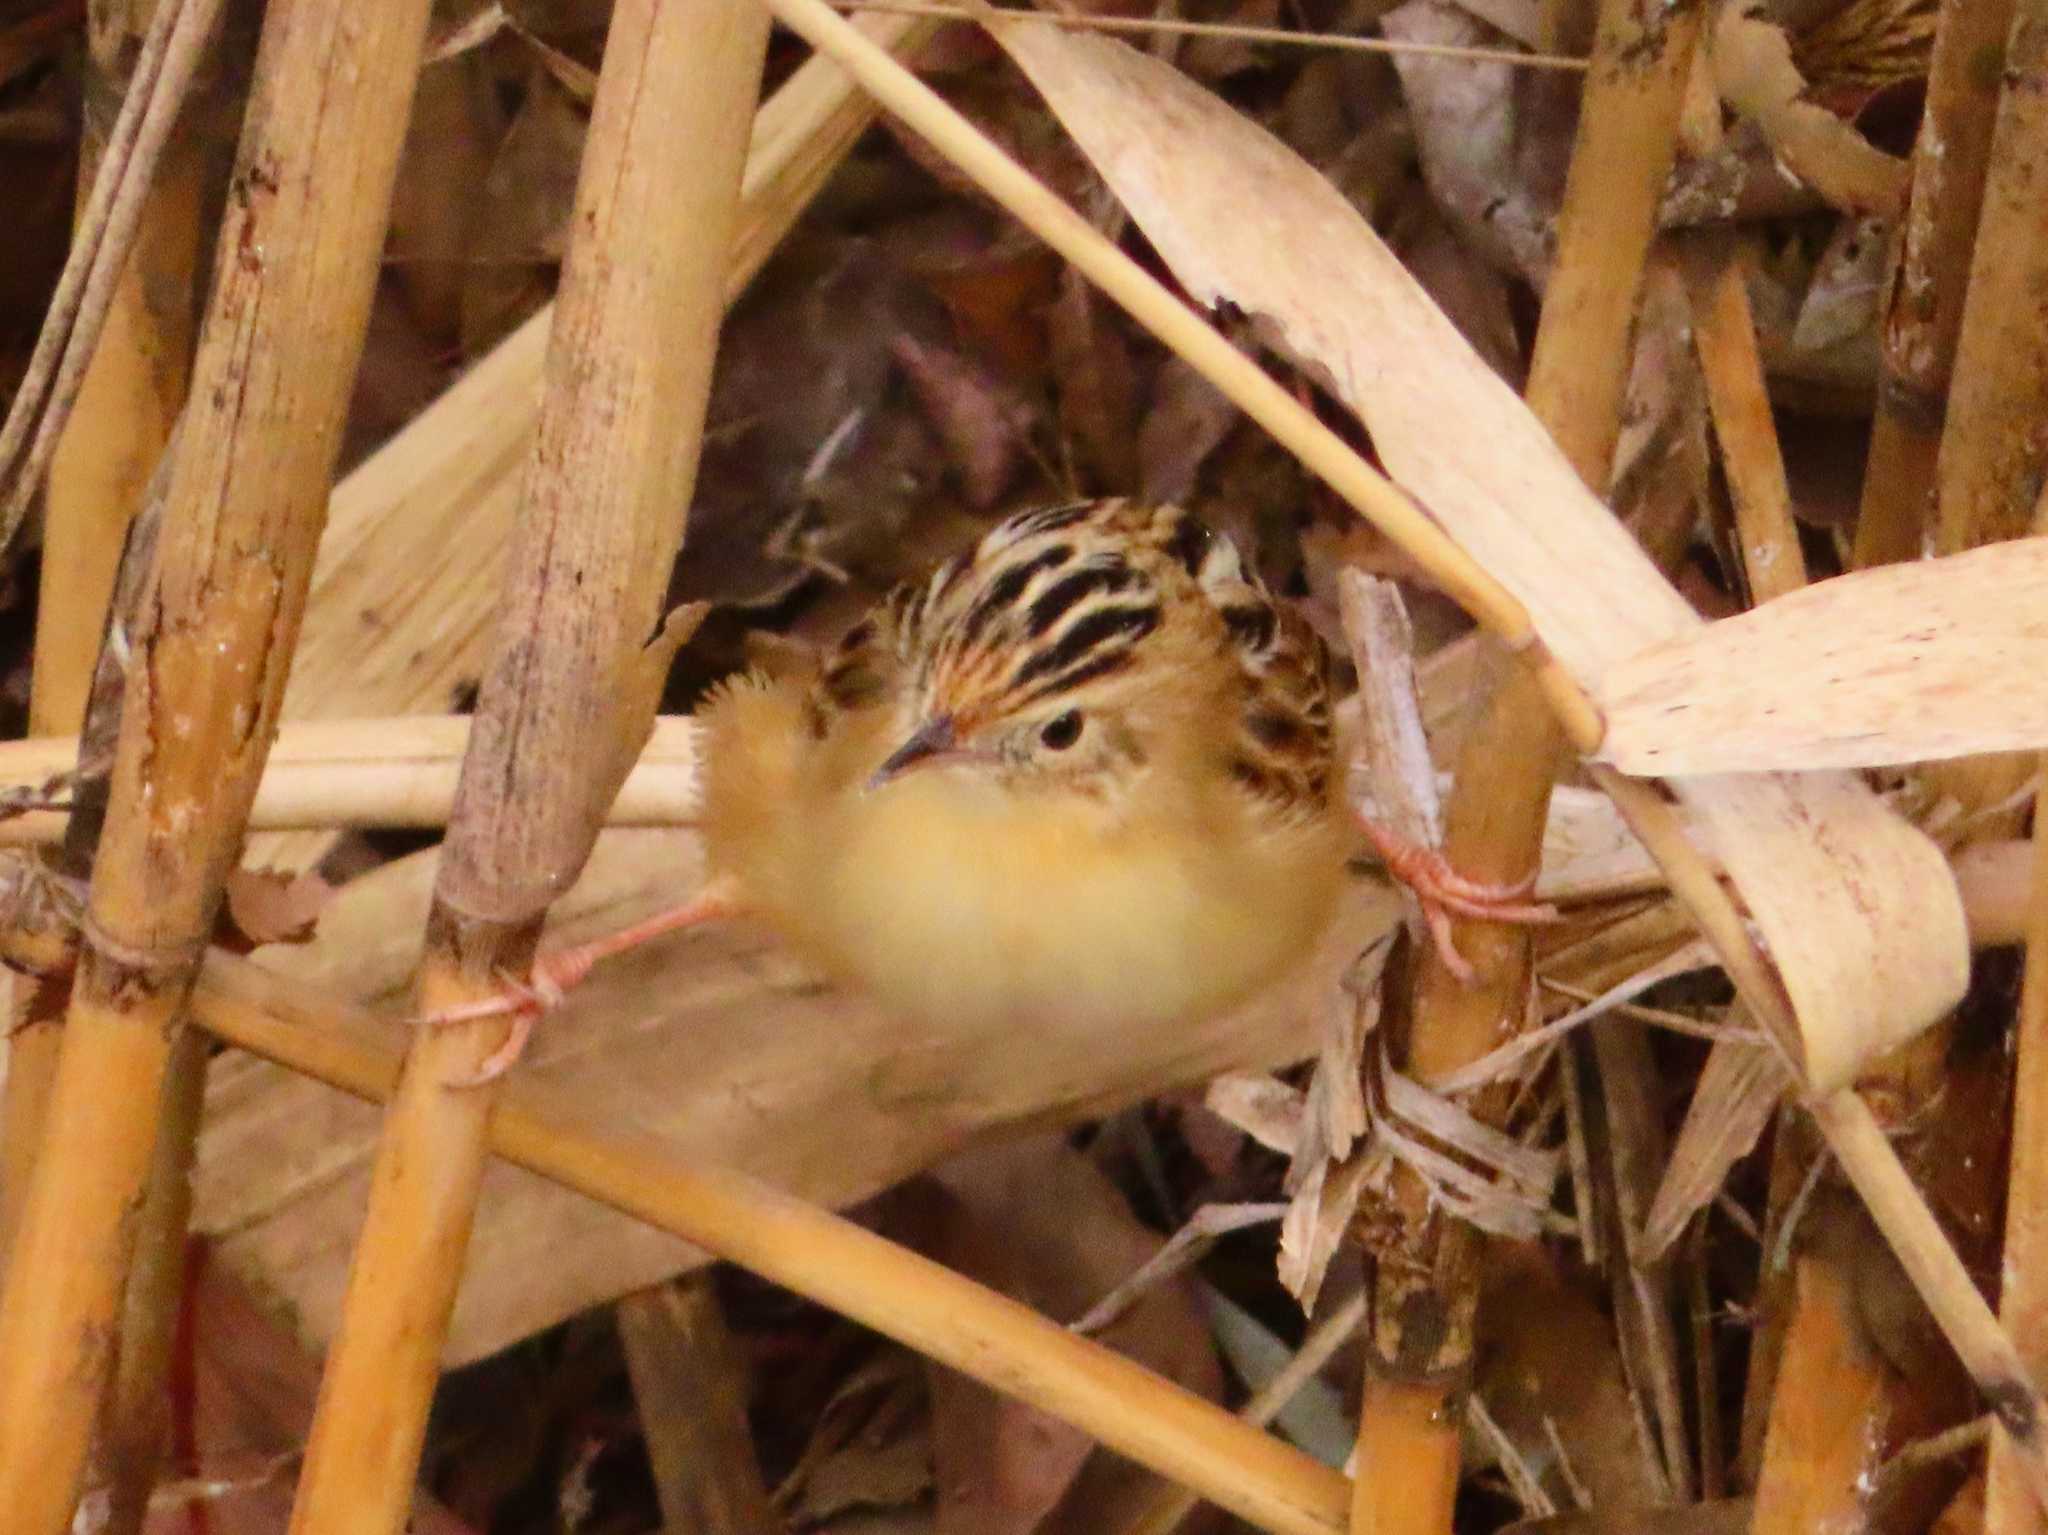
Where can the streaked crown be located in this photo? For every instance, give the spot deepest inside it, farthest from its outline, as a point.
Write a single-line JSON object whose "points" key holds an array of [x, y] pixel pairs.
{"points": [[1060, 604]]}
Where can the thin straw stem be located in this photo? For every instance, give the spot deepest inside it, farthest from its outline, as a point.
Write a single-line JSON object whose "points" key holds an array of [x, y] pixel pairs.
{"points": [[1166, 26]]}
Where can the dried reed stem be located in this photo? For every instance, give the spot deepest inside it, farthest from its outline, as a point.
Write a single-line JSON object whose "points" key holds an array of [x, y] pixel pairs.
{"points": [[1994, 445], [1822, 1448], [609, 479], [1995, 448], [1724, 331], [1923, 306], [169, 55], [135, 1424], [127, 400], [103, 464], [1427, 1293], [246, 498], [896, 1292], [381, 772], [2010, 1505]]}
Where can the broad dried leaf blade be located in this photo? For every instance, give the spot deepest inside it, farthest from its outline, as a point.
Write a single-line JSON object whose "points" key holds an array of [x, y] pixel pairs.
{"points": [[1902, 663], [1859, 910]]}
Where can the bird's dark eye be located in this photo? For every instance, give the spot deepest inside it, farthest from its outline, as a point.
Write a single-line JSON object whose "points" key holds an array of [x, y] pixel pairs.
{"points": [[1062, 732]]}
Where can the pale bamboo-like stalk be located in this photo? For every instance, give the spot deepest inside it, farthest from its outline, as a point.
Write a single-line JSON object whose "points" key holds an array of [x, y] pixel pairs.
{"points": [[626, 386], [1994, 448], [1427, 1298], [1724, 330], [377, 772], [167, 53], [1923, 307], [128, 398], [247, 495], [822, 1256], [1821, 1451], [2010, 1507], [102, 468], [1994, 445], [135, 1425]]}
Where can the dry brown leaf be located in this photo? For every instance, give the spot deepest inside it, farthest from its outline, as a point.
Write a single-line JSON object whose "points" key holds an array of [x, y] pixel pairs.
{"points": [[1550, 1369], [1738, 1088], [1188, 420], [1859, 911], [1097, 388], [270, 907], [977, 419], [1902, 663], [1471, 123]]}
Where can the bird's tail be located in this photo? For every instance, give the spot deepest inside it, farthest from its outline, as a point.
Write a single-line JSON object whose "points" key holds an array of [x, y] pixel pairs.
{"points": [[754, 734]]}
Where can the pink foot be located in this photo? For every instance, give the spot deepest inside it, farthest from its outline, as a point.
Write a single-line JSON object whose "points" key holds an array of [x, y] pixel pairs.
{"points": [[556, 974], [1443, 891]]}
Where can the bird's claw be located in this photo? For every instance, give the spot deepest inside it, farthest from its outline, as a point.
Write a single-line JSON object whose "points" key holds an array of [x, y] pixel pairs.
{"points": [[1443, 892], [525, 1002]]}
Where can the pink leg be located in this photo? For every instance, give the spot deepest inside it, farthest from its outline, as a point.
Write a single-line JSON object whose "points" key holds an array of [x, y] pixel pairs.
{"points": [[558, 973], [1442, 891]]}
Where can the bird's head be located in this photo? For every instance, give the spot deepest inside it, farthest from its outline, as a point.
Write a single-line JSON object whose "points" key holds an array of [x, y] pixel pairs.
{"points": [[1058, 652]]}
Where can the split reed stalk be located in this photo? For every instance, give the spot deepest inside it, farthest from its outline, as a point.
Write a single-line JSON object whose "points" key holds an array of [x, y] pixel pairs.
{"points": [[821, 1256], [246, 499], [128, 399], [607, 484], [1922, 313], [1427, 1290], [1724, 330], [1994, 446]]}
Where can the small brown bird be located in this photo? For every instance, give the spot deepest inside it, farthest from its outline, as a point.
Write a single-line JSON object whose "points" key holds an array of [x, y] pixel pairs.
{"points": [[1085, 771]]}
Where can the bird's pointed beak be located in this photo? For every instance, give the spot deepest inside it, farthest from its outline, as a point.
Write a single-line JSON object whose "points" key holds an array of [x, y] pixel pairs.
{"points": [[931, 743]]}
